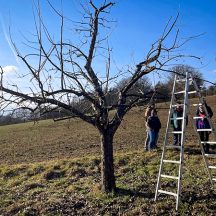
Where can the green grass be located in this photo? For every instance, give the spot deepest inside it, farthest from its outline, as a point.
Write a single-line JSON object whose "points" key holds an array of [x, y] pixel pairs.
{"points": [[66, 187]]}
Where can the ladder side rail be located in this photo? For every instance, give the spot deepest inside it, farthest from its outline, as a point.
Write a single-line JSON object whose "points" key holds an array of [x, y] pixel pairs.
{"points": [[195, 129], [185, 108], [204, 106], [166, 138], [203, 154]]}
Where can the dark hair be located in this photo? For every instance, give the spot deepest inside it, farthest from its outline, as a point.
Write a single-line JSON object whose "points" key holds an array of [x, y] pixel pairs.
{"points": [[154, 111], [151, 105]]}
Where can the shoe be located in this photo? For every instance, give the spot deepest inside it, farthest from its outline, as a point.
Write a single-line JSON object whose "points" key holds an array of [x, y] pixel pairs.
{"points": [[153, 148]]}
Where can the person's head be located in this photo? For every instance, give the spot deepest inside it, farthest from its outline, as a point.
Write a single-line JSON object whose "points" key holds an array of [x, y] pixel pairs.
{"points": [[151, 106], [178, 106], [153, 112], [201, 109]]}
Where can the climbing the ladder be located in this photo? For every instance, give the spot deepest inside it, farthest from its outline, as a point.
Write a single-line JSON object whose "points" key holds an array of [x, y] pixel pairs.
{"points": [[177, 149]]}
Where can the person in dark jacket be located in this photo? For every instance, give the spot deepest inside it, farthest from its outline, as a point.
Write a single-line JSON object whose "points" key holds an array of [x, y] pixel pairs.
{"points": [[177, 123], [208, 108], [154, 125], [203, 123]]}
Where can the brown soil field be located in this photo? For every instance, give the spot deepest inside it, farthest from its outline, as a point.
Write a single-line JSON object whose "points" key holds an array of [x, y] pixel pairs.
{"points": [[55, 170], [45, 140]]}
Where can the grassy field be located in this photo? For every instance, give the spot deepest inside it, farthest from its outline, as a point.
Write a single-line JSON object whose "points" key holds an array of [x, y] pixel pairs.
{"points": [[54, 169]]}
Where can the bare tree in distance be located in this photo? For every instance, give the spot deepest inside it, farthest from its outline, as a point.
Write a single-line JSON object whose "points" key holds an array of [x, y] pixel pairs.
{"points": [[182, 69], [66, 71], [165, 88]]}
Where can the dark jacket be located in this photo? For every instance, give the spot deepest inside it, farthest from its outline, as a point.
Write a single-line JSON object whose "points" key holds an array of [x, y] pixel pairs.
{"points": [[202, 123], [154, 123]]}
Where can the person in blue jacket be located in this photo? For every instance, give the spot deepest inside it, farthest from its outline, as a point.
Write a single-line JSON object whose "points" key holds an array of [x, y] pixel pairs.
{"points": [[154, 126], [177, 123]]}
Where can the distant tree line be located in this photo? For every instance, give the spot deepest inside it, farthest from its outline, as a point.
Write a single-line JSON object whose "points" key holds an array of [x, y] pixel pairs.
{"points": [[161, 90]]}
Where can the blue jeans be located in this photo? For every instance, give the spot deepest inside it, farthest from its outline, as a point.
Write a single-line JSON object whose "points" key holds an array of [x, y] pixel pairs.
{"points": [[153, 137]]}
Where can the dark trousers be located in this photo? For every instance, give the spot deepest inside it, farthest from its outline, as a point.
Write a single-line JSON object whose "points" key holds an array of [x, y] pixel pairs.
{"points": [[177, 137], [204, 137]]}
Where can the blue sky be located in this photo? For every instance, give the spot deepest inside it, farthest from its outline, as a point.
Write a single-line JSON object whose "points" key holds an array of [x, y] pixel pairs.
{"points": [[139, 24]]}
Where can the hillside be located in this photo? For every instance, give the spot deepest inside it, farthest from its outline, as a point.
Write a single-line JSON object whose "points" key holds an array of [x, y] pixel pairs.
{"points": [[73, 138], [55, 170]]}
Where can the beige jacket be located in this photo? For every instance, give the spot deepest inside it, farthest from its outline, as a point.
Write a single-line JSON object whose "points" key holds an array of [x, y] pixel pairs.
{"points": [[147, 114]]}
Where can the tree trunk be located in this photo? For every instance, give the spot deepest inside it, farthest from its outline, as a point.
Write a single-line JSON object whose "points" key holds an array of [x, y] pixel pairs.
{"points": [[107, 166]]}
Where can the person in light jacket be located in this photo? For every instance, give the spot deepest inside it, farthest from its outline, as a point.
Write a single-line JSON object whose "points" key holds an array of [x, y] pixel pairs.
{"points": [[177, 123], [148, 110]]}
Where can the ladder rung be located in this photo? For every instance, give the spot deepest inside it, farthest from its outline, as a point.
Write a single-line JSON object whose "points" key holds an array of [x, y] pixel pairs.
{"points": [[171, 161], [175, 105], [192, 92], [180, 80], [173, 146], [180, 92], [176, 132], [178, 118], [183, 80], [208, 142], [166, 192], [199, 130], [214, 179], [212, 167], [168, 176], [210, 155], [199, 104], [199, 117]]}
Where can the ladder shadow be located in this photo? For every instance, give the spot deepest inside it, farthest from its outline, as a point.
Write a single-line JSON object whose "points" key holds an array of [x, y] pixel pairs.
{"points": [[197, 151], [193, 197], [135, 193], [192, 151]]}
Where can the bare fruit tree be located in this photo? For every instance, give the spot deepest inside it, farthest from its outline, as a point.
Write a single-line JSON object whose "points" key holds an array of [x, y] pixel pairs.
{"points": [[63, 74]]}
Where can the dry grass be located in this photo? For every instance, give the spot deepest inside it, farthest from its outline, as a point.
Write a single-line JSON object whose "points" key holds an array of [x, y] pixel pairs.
{"points": [[71, 187], [47, 175]]}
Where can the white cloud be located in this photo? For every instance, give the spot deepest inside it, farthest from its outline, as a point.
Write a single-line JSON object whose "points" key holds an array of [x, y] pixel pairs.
{"points": [[10, 68], [214, 71]]}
